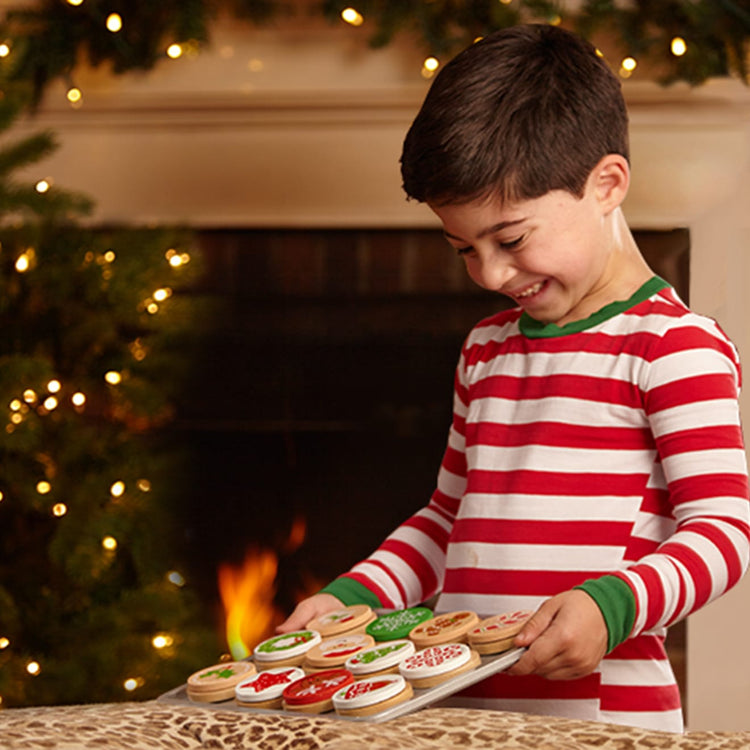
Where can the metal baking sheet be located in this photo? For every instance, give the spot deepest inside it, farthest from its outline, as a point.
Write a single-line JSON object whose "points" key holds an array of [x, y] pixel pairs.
{"points": [[422, 698]]}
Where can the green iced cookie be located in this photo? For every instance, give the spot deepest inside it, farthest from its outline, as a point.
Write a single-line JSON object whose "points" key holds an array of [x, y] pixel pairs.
{"points": [[398, 624]]}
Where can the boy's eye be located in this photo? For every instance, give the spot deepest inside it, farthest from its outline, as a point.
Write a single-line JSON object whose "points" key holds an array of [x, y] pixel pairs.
{"points": [[464, 250], [511, 244]]}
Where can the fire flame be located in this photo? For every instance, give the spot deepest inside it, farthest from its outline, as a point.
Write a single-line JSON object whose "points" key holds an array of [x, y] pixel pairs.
{"points": [[248, 591]]}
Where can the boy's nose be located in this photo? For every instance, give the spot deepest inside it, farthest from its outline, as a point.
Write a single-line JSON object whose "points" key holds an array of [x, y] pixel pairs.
{"points": [[494, 273]]}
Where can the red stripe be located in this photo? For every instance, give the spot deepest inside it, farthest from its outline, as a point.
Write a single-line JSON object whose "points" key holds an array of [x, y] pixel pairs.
{"points": [[581, 387], [559, 434], [708, 486], [640, 698], [643, 647], [540, 532], [428, 527], [532, 687], [555, 483], [689, 390], [656, 596], [724, 544], [638, 548], [422, 569], [689, 337], [700, 438], [454, 461], [514, 582]]}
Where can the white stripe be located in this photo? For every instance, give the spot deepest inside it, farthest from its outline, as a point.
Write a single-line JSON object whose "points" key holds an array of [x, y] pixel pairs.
{"points": [[699, 463], [486, 605], [673, 367], [450, 484], [557, 459], [711, 556], [375, 574], [542, 557], [718, 412], [653, 527], [534, 508], [574, 411], [637, 672], [728, 506]]}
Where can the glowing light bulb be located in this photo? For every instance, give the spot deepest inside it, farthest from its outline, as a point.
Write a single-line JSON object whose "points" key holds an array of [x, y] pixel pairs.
{"points": [[678, 46], [114, 22], [59, 509], [75, 2], [15, 405], [162, 641], [628, 64], [117, 489], [113, 377], [42, 186], [1, 497], [43, 487], [23, 263], [176, 578], [50, 403], [74, 95], [162, 294], [130, 684], [174, 51], [16, 418], [109, 543], [431, 63], [110, 256], [78, 399], [4, 50], [352, 16], [29, 396], [54, 386], [4, 642], [152, 308], [33, 668], [144, 485]]}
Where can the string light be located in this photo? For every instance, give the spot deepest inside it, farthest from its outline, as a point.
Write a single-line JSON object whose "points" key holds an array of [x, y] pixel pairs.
{"points": [[78, 399], [429, 66], [117, 489], [174, 51], [113, 377], [23, 262], [144, 485], [162, 641], [75, 2], [177, 259], [109, 543], [132, 683], [74, 95], [1, 499], [176, 578], [50, 403], [162, 294], [15, 405], [4, 643], [29, 396], [59, 509], [114, 22], [33, 668], [43, 487], [4, 49], [352, 16], [678, 46], [42, 186], [627, 66], [54, 386]]}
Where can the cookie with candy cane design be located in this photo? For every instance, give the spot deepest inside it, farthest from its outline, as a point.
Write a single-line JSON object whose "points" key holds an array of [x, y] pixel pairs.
{"points": [[333, 652], [372, 695], [313, 694], [448, 628], [264, 689], [495, 634], [217, 683], [436, 664]]}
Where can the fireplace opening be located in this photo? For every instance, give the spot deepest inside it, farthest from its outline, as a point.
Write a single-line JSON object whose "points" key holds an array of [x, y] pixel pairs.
{"points": [[320, 400]]}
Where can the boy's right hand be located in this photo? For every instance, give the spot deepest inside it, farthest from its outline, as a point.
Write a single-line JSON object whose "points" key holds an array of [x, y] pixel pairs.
{"points": [[308, 609]]}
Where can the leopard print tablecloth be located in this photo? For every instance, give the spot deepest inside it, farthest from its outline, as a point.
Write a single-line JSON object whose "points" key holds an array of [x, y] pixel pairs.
{"points": [[160, 726]]}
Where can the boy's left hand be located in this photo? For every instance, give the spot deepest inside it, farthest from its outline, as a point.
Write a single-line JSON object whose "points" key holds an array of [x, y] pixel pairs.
{"points": [[566, 638]]}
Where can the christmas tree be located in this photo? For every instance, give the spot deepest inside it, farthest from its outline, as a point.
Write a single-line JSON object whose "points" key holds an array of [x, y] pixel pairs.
{"points": [[94, 602]]}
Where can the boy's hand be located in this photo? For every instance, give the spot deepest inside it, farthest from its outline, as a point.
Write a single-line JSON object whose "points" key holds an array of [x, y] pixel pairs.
{"points": [[308, 609], [566, 638]]}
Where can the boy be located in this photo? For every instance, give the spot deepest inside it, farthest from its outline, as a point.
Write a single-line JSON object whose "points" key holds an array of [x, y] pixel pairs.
{"points": [[595, 470]]}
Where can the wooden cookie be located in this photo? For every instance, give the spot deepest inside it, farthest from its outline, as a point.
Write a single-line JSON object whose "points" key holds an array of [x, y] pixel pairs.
{"points": [[380, 659], [436, 664], [286, 650], [495, 634], [396, 625], [217, 683], [313, 694], [352, 619], [448, 628], [333, 652], [264, 689], [371, 696]]}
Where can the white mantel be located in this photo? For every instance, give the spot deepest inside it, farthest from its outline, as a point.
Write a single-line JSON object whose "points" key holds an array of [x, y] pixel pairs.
{"points": [[303, 128]]}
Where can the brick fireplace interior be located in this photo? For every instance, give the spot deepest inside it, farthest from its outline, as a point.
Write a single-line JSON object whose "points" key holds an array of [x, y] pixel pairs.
{"points": [[322, 391]]}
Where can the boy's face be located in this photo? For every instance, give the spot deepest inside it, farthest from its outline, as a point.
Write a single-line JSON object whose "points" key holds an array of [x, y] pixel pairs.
{"points": [[555, 256]]}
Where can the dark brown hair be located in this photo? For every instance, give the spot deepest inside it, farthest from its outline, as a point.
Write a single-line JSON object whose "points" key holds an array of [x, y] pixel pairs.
{"points": [[523, 111]]}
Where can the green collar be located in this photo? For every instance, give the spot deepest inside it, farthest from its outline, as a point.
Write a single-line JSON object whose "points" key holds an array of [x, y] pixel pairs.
{"points": [[535, 329]]}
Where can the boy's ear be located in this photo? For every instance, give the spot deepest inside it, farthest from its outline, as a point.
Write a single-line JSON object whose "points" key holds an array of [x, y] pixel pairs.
{"points": [[610, 181]]}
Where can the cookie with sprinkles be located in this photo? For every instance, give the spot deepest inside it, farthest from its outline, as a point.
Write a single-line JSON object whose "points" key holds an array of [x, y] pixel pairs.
{"points": [[393, 626]]}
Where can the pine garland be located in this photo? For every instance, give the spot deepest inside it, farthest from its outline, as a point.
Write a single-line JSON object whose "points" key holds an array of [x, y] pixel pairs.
{"points": [[49, 38]]}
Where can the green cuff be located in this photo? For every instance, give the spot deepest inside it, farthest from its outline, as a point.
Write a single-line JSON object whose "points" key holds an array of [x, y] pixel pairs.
{"points": [[348, 592], [616, 601]]}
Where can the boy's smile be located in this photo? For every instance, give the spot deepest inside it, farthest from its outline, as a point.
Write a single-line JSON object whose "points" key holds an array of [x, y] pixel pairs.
{"points": [[560, 257]]}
